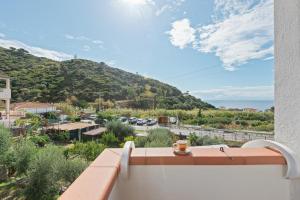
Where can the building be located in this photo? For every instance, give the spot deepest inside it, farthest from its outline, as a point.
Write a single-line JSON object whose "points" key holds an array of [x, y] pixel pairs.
{"points": [[33, 107], [261, 170], [5, 94], [78, 130]]}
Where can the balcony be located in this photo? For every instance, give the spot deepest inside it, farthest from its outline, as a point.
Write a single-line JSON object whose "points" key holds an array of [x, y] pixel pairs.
{"points": [[5, 93], [207, 173]]}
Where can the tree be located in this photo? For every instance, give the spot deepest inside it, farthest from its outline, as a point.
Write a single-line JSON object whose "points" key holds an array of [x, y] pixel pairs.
{"points": [[119, 130], [71, 169], [25, 152], [109, 139], [43, 175], [5, 140], [6, 153], [88, 151], [49, 171]]}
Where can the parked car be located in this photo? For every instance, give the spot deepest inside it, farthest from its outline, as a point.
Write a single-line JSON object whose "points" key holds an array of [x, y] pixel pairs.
{"points": [[123, 119], [133, 120], [151, 122], [173, 120], [93, 116], [141, 122]]}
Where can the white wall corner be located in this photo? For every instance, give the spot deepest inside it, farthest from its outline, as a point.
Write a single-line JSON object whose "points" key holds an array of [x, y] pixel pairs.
{"points": [[287, 79]]}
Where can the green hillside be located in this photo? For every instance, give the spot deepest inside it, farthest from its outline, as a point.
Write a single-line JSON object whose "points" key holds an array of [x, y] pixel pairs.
{"points": [[41, 79]]}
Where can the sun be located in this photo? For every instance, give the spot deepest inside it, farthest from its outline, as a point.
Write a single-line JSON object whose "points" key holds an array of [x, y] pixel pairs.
{"points": [[135, 8], [136, 2]]}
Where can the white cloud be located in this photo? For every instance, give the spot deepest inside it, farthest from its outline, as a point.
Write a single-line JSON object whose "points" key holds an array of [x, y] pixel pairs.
{"points": [[37, 51], [242, 30], [163, 9], [233, 93], [86, 48], [171, 6], [97, 42], [181, 34], [2, 35], [80, 38]]}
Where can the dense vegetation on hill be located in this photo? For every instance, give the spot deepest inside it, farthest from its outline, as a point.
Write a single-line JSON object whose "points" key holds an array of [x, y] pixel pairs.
{"points": [[40, 79]]}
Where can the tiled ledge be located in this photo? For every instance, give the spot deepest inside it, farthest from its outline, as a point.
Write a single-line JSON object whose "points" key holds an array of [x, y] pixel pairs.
{"points": [[97, 181], [207, 156]]}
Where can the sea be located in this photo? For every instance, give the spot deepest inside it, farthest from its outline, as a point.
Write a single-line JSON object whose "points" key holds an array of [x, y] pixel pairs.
{"points": [[256, 104]]}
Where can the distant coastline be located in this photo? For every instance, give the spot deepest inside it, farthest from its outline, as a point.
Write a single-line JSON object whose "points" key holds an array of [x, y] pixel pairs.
{"points": [[256, 104]]}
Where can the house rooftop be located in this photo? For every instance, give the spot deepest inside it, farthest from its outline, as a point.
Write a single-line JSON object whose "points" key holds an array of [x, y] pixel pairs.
{"points": [[71, 126], [31, 105]]}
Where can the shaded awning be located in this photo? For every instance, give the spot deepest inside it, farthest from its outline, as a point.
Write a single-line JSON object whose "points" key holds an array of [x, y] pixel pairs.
{"points": [[94, 132]]}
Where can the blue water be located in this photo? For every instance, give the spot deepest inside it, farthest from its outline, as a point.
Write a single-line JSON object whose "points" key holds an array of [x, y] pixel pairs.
{"points": [[256, 104]]}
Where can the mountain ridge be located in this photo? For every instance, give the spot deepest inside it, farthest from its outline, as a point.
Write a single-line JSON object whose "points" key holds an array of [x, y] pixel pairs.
{"points": [[45, 80]]}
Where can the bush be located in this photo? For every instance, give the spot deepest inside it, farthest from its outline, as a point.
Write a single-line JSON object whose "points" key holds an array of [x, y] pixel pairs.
{"points": [[6, 153], [205, 140], [49, 171], [40, 140], [71, 169], [88, 151], [60, 136], [44, 174], [25, 151], [119, 130], [156, 138], [5, 140], [110, 140], [140, 141], [102, 117]]}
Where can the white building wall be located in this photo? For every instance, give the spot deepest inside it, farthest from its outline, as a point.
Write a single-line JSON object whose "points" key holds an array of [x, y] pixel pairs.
{"points": [[287, 78], [208, 182]]}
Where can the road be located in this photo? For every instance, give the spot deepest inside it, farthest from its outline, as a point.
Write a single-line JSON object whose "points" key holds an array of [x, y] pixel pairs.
{"points": [[240, 136]]}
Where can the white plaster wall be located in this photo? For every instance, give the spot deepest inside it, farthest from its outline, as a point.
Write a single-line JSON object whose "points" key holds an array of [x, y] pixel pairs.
{"points": [[148, 182], [287, 73], [287, 79]]}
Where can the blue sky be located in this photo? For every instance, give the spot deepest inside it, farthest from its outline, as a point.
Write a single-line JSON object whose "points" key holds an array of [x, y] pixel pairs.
{"points": [[216, 49]]}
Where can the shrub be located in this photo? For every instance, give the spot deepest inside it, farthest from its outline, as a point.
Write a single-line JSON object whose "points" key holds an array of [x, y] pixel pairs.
{"points": [[25, 151], [109, 139], [5, 140], [193, 139], [159, 136], [102, 117], [7, 157], [71, 169], [205, 140], [88, 151], [119, 130], [60, 136], [156, 138], [40, 140], [43, 175], [49, 171], [140, 141]]}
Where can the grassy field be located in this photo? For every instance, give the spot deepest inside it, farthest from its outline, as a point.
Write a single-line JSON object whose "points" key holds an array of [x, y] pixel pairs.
{"points": [[222, 119]]}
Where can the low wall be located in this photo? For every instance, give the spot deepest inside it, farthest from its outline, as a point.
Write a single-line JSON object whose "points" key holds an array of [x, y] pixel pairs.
{"points": [[209, 182]]}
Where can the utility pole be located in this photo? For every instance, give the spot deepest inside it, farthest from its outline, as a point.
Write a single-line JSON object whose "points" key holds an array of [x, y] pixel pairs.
{"points": [[99, 98]]}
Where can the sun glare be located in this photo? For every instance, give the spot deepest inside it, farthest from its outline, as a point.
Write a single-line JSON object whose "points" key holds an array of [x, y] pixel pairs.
{"points": [[136, 8], [135, 2]]}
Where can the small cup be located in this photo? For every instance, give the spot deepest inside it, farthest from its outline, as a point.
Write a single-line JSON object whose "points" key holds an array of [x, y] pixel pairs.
{"points": [[180, 145]]}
